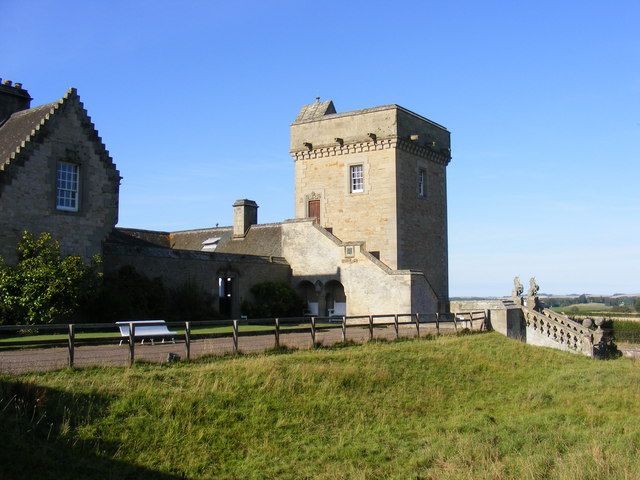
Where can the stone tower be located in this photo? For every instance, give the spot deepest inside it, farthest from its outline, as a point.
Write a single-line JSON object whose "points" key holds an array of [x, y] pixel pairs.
{"points": [[377, 175]]}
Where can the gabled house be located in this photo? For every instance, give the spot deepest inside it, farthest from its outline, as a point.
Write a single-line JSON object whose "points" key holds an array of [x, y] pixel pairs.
{"points": [[56, 175]]}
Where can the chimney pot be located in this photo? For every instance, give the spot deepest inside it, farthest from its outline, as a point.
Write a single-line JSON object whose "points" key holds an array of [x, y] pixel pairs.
{"points": [[13, 98]]}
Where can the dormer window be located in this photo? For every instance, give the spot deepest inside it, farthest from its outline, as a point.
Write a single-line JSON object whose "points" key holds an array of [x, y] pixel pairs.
{"points": [[210, 244], [67, 182]]}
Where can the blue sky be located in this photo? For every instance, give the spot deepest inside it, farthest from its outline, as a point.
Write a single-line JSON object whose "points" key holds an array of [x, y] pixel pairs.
{"points": [[194, 101]]}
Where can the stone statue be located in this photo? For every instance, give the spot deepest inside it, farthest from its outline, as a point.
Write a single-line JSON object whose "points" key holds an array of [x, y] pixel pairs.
{"points": [[533, 287], [517, 287]]}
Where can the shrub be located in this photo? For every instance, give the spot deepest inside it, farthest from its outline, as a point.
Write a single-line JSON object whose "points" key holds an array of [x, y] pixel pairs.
{"points": [[128, 294], [45, 287], [273, 299], [189, 303]]}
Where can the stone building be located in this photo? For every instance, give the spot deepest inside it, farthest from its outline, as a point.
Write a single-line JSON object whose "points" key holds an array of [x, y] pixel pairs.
{"points": [[55, 174], [370, 233]]}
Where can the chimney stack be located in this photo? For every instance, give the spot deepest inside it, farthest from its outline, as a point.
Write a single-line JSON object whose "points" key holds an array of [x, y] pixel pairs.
{"points": [[13, 98], [245, 214]]}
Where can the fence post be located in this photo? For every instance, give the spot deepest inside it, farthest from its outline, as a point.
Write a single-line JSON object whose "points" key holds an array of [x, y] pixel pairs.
{"points": [[132, 343], [455, 321], [235, 336], [418, 325], [370, 327], [395, 325], [437, 324], [344, 329], [277, 332], [471, 320], [187, 339], [313, 331], [72, 340]]}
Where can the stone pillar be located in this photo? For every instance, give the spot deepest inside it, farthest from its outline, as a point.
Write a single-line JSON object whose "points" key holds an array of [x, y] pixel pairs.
{"points": [[534, 303], [245, 214]]}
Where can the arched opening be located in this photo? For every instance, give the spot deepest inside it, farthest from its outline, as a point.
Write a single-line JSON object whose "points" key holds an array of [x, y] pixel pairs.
{"points": [[308, 293], [335, 299]]}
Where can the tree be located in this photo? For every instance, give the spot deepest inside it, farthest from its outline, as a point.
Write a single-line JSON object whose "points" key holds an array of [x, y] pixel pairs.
{"points": [[45, 287], [637, 305]]}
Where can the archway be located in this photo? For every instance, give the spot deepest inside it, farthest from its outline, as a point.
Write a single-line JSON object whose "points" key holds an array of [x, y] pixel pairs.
{"points": [[335, 299], [308, 293]]}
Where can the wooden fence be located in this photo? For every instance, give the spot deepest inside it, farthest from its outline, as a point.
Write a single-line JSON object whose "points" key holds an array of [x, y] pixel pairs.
{"points": [[79, 335]]}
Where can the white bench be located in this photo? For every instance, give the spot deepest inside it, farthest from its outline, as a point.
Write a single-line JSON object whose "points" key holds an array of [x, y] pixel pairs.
{"points": [[146, 329]]}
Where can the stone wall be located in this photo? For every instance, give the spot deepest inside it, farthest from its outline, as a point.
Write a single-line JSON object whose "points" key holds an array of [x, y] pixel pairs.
{"points": [[363, 216], [177, 267], [422, 220], [370, 287], [28, 198]]}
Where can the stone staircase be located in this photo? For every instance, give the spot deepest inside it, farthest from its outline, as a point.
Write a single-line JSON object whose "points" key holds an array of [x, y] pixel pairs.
{"points": [[549, 329]]}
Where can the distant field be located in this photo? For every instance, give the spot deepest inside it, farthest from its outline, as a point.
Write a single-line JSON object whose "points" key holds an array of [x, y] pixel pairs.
{"points": [[585, 307], [478, 406], [596, 309]]}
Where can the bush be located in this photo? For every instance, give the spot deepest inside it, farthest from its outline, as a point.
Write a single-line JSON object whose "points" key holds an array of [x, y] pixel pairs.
{"points": [[126, 295], [273, 299], [190, 303], [129, 294], [45, 287]]}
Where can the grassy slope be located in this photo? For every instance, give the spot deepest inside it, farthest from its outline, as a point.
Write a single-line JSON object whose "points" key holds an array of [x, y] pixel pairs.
{"points": [[479, 406]]}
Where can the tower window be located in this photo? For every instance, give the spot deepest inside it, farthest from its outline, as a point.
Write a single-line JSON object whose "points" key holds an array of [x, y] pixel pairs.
{"points": [[67, 186], [357, 178], [422, 176]]}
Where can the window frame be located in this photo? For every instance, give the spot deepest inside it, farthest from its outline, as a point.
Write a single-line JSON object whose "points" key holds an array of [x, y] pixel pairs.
{"points": [[422, 182], [71, 184], [354, 180]]}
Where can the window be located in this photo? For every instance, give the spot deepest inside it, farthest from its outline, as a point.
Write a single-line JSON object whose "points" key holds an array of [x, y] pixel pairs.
{"points": [[357, 178], [67, 186], [422, 176]]}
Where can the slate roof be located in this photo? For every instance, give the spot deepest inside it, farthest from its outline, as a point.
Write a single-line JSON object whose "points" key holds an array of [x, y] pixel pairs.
{"points": [[138, 238], [315, 110], [192, 239], [261, 240], [23, 128], [20, 128]]}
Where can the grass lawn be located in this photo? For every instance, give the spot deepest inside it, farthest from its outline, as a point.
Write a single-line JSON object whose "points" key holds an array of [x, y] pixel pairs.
{"points": [[476, 407]]}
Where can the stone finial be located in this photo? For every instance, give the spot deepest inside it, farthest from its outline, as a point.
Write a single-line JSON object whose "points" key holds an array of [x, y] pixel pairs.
{"points": [[7, 83], [533, 287], [517, 287], [587, 323]]}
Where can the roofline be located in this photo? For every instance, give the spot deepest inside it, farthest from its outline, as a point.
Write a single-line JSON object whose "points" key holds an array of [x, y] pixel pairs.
{"points": [[230, 227], [392, 106], [132, 229]]}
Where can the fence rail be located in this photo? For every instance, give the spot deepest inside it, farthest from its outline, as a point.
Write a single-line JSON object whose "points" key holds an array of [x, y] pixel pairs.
{"points": [[24, 348]]}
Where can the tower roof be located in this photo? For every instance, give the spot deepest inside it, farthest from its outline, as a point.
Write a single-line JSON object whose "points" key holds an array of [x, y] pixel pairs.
{"points": [[315, 110]]}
